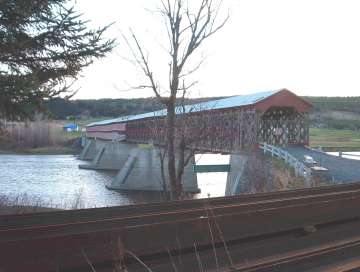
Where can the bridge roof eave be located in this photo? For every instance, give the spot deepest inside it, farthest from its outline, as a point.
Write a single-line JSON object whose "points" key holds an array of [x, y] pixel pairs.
{"points": [[284, 98], [260, 101]]}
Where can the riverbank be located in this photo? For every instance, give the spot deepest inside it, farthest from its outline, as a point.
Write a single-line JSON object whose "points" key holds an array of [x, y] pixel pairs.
{"points": [[23, 203], [39, 137], [69, 147], [50, 150]]}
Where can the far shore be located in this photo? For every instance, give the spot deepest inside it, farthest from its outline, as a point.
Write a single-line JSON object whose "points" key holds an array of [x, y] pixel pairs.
{"points": [[51, 150]]}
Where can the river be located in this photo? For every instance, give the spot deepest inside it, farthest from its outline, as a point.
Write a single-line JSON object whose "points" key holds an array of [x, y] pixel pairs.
{"points": [[56, 181]]}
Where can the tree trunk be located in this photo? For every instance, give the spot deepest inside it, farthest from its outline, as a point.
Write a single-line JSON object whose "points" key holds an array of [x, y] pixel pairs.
{"points": [[181, 167], [171, 149]]}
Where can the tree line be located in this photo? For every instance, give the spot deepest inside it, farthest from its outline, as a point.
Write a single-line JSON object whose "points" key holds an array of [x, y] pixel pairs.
{"points": [[63, 109], [348, 104]]}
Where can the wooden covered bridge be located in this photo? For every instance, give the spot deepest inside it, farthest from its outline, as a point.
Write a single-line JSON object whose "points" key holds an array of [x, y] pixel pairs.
{"points": [[275, 117], [230, 125]]}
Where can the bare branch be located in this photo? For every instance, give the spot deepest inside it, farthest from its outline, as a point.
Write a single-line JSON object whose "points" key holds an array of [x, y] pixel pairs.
{"points": [[193, 70], [182, 129], [144, 65], [202, 27], [131, 88]]}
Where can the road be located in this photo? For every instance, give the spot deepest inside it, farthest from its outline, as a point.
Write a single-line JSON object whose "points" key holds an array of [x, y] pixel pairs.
{"points": [[340, 169]]}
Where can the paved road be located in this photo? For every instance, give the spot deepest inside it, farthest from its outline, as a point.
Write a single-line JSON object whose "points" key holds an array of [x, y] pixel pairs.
{"points": [[340, 169]]}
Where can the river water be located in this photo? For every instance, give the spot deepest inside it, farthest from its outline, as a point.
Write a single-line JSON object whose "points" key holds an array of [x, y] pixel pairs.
{"points": [[56, 181]]}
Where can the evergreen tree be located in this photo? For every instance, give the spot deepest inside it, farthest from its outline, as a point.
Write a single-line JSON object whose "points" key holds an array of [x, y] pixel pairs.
{"points": [[44, 44]]}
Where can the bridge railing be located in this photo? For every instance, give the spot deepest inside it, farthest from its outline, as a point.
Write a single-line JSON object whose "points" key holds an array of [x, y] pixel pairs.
{"points": [[300, 168]]}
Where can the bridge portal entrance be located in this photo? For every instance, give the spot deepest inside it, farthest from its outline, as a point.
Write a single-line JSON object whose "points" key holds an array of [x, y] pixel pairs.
{"points": [[281, 126]]}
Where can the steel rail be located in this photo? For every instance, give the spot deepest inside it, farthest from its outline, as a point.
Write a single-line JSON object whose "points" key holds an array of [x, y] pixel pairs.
{"points": [[308, 257], [234, 224], [27, 232], [287, 251], [97, 258], [247, 218], [59, 217]]}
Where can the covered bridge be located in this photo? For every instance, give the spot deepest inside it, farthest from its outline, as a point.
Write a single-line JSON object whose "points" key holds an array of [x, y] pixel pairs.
{"points": [[226, 125]]}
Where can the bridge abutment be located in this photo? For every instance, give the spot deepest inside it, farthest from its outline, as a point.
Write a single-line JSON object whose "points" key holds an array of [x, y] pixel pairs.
{"points": [[250, 173], [236, 174]]}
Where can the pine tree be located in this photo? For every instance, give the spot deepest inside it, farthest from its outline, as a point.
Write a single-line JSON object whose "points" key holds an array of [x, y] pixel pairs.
{"points": [[44, 44]]}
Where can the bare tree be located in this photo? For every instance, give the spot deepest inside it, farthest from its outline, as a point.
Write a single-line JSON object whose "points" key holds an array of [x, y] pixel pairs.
{"points": [[187, 28], [191, 128]]}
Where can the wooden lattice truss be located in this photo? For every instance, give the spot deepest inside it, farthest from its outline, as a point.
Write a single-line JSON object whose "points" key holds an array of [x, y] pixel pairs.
{"points": [[284, 126], [226, 131]]}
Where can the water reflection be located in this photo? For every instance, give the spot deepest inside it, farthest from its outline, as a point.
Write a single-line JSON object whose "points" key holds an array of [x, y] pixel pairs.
{"points": [[211, 184]]}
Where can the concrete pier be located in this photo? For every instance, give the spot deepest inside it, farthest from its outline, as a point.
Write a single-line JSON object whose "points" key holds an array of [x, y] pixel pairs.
{"points": [[142, 171], [109, 155], [89, 151], [235, 176]]}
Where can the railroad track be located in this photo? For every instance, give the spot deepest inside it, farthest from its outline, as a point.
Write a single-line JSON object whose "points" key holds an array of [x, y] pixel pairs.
{"points": [[245, 233], [60, 217]]}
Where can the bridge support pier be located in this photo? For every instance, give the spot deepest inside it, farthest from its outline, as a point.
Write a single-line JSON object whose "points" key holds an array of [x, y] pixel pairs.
{"points": [[109, 156], [235, 175], [142, 171], [89, 151]]}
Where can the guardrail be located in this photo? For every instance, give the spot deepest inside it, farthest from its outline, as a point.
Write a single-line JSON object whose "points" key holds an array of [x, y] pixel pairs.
{"points": [[300, 168], [208, 168]]}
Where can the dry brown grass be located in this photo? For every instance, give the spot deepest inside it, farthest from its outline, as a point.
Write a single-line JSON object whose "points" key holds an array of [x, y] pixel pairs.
{"points": [[258, 175], [19, 204], [36, 137], [35, 134], [24, 203]]}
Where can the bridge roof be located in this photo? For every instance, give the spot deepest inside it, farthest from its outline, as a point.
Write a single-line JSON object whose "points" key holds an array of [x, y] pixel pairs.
{"points": [[225, 103]]}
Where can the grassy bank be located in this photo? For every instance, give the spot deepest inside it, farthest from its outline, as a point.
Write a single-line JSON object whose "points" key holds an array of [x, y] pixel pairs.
{"points": [[67, 148], [335, 138], [51, 150], [24, 203]]}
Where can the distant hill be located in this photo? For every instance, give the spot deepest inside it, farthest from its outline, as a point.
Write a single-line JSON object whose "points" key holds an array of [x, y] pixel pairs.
{"points": [[61, 109], [329, 112], [335, 112], [346, 104]]}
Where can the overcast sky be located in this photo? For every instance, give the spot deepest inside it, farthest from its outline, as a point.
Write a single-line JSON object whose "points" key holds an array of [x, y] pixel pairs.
{"points": [[311, 47]]}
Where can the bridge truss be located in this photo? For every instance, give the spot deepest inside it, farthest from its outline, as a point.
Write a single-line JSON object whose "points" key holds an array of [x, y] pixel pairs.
{"points": [[229, 130], [228, 125]]}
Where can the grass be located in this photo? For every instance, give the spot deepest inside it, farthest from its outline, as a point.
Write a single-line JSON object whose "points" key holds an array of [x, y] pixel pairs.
{"points": [[335, 138], [284, 176], [25, 203], [286, 179]]}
